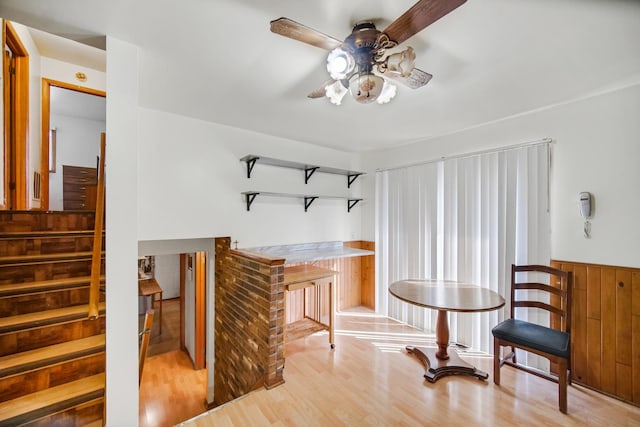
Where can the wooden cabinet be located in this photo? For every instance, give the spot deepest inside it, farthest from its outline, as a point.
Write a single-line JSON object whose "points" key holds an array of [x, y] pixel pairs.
{"points": [[79, 187], [605, 328]]}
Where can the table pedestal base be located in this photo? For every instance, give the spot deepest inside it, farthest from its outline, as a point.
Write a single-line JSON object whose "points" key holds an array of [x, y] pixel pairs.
{"points": [[436, 368]]}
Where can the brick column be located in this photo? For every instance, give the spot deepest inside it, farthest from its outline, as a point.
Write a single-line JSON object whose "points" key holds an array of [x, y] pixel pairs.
{"points": [[249, 322]]}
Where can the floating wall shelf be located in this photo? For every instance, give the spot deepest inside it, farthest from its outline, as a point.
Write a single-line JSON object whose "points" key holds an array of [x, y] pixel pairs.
{"points": [[308, 198], [308, 169]]}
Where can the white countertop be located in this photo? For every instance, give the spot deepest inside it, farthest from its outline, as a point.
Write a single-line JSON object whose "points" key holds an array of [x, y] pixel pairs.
{"points": [[306, 252]]}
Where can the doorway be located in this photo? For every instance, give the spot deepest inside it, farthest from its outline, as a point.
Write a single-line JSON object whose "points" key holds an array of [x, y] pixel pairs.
{"points": [[176, 352], [72, 119]]}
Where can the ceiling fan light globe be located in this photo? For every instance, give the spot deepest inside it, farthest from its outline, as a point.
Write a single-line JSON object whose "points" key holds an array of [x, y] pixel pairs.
{"points": [[388, 92], [365, 88], [339, 63], [402, 63], [335, 92]]}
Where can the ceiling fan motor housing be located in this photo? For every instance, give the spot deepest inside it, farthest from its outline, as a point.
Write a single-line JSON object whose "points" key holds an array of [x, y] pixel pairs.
{"points": [[362, 43]]}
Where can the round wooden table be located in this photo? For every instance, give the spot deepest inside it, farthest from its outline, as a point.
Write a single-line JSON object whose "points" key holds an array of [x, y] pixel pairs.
{"points": [[444, 296]]}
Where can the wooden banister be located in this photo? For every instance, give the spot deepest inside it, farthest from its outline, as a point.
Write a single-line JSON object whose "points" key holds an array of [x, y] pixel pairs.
{"points": [[144, 343], [96, 261]]}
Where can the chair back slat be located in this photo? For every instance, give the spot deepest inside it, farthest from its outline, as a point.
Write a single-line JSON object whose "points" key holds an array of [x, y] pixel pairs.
{"points": [[559, 291], [540, 287], [541, 305]]}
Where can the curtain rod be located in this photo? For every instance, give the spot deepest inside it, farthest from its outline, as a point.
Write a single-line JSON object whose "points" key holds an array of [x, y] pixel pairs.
{"points": [[473, 154]]}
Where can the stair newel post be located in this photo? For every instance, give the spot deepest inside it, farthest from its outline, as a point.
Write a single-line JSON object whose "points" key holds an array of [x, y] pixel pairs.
{"points": [[94, 290]]}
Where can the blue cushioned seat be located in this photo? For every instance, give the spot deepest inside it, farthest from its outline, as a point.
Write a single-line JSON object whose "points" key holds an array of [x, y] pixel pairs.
{"points": [[534, 336]]}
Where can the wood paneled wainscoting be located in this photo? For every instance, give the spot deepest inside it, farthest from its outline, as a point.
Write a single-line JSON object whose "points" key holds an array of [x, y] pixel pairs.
{"points": [[354, 284], [605, 328]]}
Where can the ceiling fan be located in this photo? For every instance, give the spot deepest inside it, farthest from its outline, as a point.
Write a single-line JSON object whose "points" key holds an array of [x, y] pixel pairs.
{"points": [[359, 64]]}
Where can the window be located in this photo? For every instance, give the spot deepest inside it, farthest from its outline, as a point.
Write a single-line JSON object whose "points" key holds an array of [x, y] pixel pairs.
{"points": [[466, 218]]}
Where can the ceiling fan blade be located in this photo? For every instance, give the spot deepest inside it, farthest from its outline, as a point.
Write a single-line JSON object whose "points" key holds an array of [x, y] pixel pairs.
{"points": [[417, 79], [288, 28], [418, 17]]}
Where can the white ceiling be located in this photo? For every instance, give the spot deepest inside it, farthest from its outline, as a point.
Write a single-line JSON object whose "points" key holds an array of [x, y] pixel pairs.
{"points": [[216, 60], [77, 104], [67, 50]]}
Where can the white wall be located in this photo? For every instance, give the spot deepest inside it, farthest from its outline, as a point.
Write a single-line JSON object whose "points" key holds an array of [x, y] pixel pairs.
{"points": [[121, 242], [596, 149], [55, 69], [77, 144], [191, 177], [168, 275]]}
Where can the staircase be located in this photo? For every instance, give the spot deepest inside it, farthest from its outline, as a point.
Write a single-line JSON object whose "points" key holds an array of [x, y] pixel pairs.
{"points": [[52, 356]]}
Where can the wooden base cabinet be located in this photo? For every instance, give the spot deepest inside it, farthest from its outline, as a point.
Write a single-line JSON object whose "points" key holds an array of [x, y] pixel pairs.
{"points": [[605, 328]]}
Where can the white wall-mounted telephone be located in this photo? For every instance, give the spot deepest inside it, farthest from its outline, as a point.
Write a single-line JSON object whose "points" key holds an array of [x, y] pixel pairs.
{"points": [[586, 210], [585, 204]]}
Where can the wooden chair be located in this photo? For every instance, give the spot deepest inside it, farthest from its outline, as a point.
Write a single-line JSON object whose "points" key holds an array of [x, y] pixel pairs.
{"points": [[553, 342]]}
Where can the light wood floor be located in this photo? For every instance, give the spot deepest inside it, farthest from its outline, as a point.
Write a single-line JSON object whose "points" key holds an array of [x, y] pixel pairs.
{"points": [[169, 340], [370, 380], [171, 391]]}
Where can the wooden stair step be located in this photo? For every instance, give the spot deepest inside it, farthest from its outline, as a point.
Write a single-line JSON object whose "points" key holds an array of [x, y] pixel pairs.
{"points": [[34, 359], [44, 258], [45, 234], [43, 318], [12, 289], [45, 220], [55, 399]]}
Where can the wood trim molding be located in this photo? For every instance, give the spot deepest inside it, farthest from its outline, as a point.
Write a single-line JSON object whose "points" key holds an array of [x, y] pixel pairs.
{"points": [[588, 264], [261, 258], [21, 114], [45, 120], [4, 204], [200, 309], [183, 278]]}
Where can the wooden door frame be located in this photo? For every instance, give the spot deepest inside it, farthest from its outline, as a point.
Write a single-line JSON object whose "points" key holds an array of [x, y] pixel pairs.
{"points": [[20, 122], [200, 330], [46, 111], [183, 279], [198, 264]]}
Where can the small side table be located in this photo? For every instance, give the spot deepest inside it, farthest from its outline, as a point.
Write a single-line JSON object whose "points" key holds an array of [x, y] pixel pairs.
{"points": [[150, 288], [305, 276], [445, 296]]}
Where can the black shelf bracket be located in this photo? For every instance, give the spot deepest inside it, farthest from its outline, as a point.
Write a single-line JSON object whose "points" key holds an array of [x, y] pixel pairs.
{"points": [[308, 172], [250, 197], [308, 200], [250, 164], [351, 203], [351, 178]]}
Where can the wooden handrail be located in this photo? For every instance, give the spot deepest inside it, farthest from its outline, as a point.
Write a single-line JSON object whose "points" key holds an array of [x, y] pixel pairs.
{"points": [[144, 342], [96, 261]]}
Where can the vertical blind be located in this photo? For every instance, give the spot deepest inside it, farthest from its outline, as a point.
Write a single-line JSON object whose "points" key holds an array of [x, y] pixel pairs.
{"points": [[465, 219]]}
